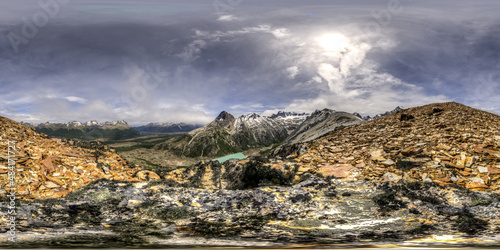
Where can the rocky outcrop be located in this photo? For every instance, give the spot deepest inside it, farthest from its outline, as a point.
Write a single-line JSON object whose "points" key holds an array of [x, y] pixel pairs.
{"points": [[448, 144], [164, 213], [50, 168], [320, 123], [233, 174]]}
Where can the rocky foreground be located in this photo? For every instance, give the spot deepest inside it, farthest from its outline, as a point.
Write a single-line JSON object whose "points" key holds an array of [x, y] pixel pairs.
{"points": [[163, 213], [51, 168], [419, 177]]}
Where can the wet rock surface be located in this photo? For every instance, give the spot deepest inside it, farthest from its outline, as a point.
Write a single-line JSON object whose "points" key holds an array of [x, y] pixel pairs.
{"points": [[110, 213]]}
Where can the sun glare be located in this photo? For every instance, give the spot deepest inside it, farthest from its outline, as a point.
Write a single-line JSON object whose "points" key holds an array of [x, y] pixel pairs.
{"points": [[333, 42]]}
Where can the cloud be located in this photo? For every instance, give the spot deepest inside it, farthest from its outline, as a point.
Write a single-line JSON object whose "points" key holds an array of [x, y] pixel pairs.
{"points": [[192, 51], [292, 71], [227, 18], [76, 99], [179, 60]]}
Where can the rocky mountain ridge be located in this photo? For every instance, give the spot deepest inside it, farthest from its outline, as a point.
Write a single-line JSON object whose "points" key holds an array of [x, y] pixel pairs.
{"points": [[320, 123], [446, 143], [90, 130], [227, 134], [76, 124]]}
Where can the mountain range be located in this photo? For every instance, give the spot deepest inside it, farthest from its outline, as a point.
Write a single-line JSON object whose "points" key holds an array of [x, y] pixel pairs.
{"points": [[227, 134], [91, 130], [426, 176], [161, 127]]}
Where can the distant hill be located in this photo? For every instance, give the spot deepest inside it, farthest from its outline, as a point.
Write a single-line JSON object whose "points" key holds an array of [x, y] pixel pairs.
{"points": [[168, 127], [91, 130]]}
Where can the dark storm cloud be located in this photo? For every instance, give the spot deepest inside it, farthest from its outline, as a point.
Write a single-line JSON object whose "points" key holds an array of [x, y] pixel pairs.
{"points": [[181, 61]]}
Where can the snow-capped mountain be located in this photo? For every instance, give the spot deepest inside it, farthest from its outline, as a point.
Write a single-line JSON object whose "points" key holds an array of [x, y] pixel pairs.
{"points": [[290, 120], [76, 124], [227, 134], [87, 130]]}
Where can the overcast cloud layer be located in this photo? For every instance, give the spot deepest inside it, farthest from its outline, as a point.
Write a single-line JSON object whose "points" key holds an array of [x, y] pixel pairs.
{"points": [[185, 61]]}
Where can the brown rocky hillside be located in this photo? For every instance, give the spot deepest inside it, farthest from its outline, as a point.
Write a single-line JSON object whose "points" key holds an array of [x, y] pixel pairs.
{"points": [[51, 168], [446, 143]]}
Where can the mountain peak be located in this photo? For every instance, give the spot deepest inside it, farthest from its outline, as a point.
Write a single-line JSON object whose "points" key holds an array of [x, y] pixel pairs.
{"points": [[284, 114], [323, 111], [223, 116], [252, 115], [224, 119]]}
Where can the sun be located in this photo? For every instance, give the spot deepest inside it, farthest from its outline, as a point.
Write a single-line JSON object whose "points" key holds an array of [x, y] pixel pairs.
{"points": [[333, 42]]}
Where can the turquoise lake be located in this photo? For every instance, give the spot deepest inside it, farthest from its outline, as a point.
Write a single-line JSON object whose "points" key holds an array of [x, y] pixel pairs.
{"points": [[238, 156]]}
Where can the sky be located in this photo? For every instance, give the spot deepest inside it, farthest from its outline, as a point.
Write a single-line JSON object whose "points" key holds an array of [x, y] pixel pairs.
{"points": [[187, 60]]}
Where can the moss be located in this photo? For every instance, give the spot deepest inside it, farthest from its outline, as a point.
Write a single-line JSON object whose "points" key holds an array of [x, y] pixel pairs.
{"points": [[469, 224], [245, 202], [170, 213], [307, 223], [424, 197], [301, 198], [148, 164], [222, 228], [51, 202], [104, 197], [477, 200], [134, 231], [84, 213], [148, 204], [387, 201], [212, 229], [421, 229], [81, 241], [256, 222], [414, 185], [406, 165]]}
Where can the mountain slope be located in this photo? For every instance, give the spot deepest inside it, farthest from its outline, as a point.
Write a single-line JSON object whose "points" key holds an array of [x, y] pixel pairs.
{"points": [[168, 127], [291, 120], [90, 130], [444, 143], [321, 122], [52, 167], [227, 134]]}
